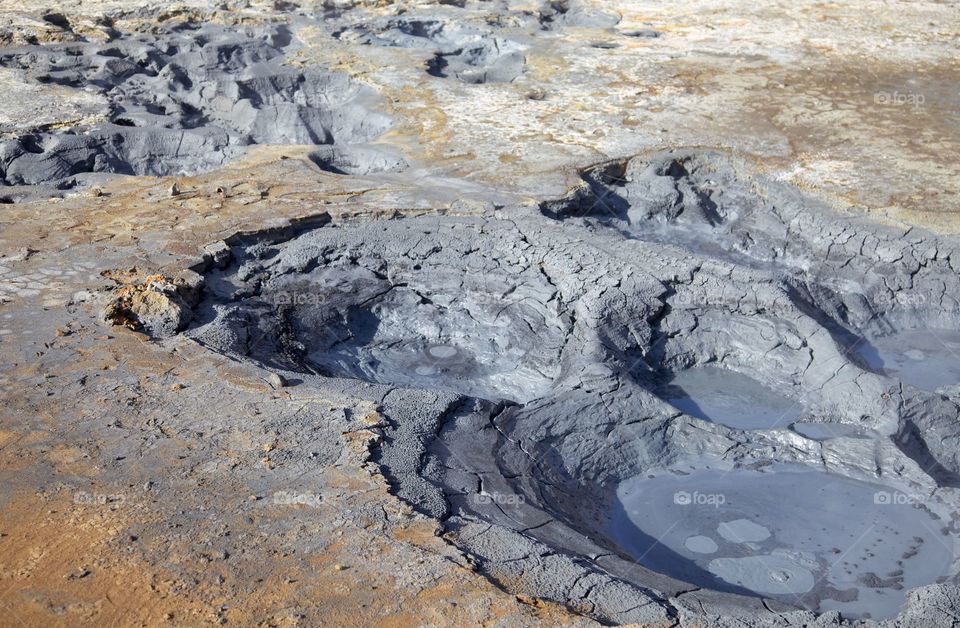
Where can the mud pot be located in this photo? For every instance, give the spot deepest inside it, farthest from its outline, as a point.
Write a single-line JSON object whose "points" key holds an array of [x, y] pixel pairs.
{"points": [[656, 397]]}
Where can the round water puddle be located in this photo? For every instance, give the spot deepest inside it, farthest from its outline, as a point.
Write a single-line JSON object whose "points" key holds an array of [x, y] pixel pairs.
{"points": [[925, 358], [729, 398], [828, 431], [811, 539]]}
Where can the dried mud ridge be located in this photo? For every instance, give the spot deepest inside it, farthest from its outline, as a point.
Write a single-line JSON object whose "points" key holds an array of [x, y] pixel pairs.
{"points": [[187, 100], [516, 356], [477, 53]]}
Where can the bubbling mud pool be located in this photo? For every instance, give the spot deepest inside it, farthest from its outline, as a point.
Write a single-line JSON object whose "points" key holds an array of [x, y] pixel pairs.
{"points": [[809, 538], [729, 398], [926, 358]]}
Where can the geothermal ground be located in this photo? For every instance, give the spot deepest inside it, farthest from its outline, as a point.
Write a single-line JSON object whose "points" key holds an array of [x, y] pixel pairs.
{"points": [[480, 312]]}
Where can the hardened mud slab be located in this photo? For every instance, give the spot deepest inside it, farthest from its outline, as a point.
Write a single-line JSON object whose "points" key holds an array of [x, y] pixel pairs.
{"points": [[186, 100], [519, 357]]}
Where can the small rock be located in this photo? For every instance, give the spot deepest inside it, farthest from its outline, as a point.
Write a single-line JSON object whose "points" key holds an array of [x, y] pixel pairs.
{"points": [[177, 386], [22, 254], [276, 380], [373, 419], [174, 190], [219, 253], [537, 93], [57, 19]]}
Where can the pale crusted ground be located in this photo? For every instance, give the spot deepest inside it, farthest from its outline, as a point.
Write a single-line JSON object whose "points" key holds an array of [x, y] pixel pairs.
{"points": [[189, 452], [858, 101]]}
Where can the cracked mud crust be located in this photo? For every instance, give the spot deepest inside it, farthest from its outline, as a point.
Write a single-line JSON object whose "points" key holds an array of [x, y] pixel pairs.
{"points": [[515, 357], [370, 313]]}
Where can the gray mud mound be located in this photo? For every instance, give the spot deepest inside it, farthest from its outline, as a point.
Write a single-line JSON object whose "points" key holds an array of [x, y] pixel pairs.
{"points": [[521, 359], [470, 54], [558, 14], [183, 101], [357, 159]]}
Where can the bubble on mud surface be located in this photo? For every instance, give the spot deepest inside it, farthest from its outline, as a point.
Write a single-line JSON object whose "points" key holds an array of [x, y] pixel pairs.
{"points": [[743, 531], [442, 352], [701, 544]]}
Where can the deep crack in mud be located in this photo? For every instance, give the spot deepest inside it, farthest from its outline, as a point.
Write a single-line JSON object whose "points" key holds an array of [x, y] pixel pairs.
{"points": [[524, 359]]}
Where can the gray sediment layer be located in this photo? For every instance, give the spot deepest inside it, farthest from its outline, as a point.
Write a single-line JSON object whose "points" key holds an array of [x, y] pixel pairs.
{"points": [[471, 54]]}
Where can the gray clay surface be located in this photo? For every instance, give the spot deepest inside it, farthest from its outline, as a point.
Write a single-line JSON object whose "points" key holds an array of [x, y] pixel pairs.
{"points": [[188, 100], [679, 393], [821, 541], [471, 54], [729, 398], [520, 357]]}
